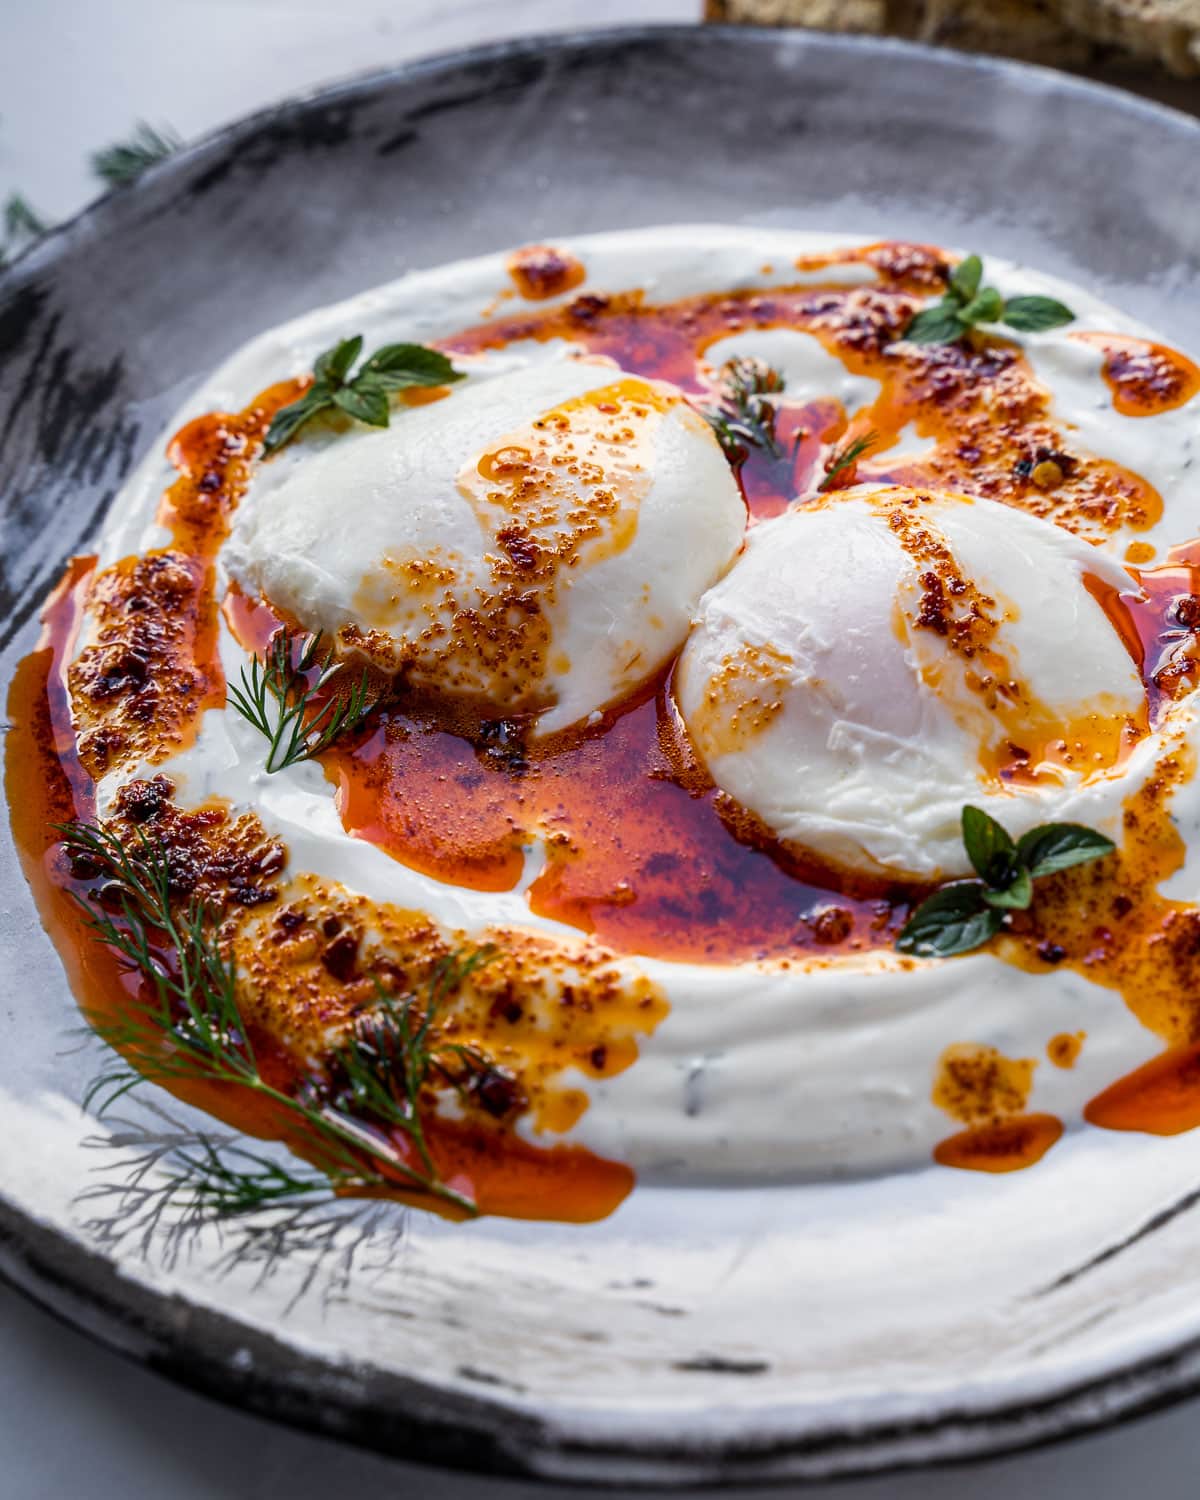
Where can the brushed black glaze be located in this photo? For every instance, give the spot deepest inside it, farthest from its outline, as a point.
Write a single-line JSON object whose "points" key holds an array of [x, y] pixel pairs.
{"points": [[1149, 1227]]}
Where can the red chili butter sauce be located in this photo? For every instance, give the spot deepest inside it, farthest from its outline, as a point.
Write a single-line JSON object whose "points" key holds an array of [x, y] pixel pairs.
{"points": [[140, 687], [976, 402], [1007, 1146], [51, 763], [1108, 920], [1145, 378], [988, 1092], [541, 271], [1162, 1097], [1158, 618], [643, 852], [46, 785]]}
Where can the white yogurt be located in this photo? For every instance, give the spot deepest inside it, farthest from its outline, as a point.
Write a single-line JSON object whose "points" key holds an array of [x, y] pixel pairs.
{"points": [[758, 1071]]}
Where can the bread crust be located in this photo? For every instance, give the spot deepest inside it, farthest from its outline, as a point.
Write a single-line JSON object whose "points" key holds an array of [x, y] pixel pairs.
{"points": [[1069, 33]]}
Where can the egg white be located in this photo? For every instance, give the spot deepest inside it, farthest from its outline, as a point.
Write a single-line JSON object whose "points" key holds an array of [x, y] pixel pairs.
{"points": [[874, 747], [395, 532]]}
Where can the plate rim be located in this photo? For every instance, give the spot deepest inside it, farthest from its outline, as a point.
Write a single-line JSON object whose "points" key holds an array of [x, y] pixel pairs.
{"points": [[45, 248], [87, 1289]]}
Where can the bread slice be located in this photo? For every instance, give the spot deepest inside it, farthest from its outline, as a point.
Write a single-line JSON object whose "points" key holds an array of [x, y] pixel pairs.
{"points": [[1164, 31], [1069, 33], [822, 15], [1028, 29]]}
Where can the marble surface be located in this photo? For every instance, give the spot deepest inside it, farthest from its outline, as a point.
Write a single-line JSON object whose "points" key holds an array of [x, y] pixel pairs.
{"points": [[75, 1419]]}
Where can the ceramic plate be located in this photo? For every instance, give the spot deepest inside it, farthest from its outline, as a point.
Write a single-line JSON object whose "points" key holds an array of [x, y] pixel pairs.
{"points": [[741, 1335]]}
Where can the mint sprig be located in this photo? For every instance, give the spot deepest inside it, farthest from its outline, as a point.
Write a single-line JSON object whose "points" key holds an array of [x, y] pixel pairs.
{"points": [[363, 396], [963, 915], [952, 920], [967, 303]]}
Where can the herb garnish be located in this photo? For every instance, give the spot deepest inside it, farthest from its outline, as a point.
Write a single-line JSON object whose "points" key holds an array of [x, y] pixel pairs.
{"points": [[277, 697], [22, 224], [21, 220], [370, 1088], [125, 161], [223, 1180], [966, 303], [365, 395], [843, 459], [154, 1192], [115, 166], [742, 419], [965, 914]]}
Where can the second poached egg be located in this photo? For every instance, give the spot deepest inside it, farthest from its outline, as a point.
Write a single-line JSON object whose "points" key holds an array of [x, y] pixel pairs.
{"points": [[876, 660]]}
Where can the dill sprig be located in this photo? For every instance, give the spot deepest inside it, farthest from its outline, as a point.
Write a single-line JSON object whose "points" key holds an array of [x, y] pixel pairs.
{"points": [[222, 1179], [21, 223], [743, 418], [843, 459], [153, 1193], [133, 912], [277, 697], [21, 219], [125, 161], [372, 1086]]}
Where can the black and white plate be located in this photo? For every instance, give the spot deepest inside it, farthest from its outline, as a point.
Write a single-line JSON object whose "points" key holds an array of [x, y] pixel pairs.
{"points": [[696, 1335]]}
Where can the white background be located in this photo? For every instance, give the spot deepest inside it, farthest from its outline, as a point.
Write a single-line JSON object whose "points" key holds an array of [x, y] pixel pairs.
{"points": [[74, 1419]]}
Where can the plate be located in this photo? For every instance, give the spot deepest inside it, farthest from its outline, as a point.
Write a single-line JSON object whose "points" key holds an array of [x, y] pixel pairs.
{"points": [[751, 1334]]}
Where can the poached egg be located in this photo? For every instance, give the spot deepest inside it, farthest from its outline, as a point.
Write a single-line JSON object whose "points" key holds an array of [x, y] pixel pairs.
{"points": [[517, 542], [876, 660]]}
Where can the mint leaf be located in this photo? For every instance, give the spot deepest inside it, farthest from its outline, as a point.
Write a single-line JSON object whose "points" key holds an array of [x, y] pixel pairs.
{"points": [[965, 914], [1015, 894], [936, 325], [955, 919], [988, 846], [289, 419], [365, 403], [1035, 314], [965, 278], [398, 365], [334, 364], [1058, 846], [985, 308]]}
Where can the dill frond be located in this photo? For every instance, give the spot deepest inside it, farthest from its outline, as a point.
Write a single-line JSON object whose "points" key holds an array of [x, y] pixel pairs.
{"points": [[743, 418], [371, 1091], [278, 699], [125, 161], [842, 460]]}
